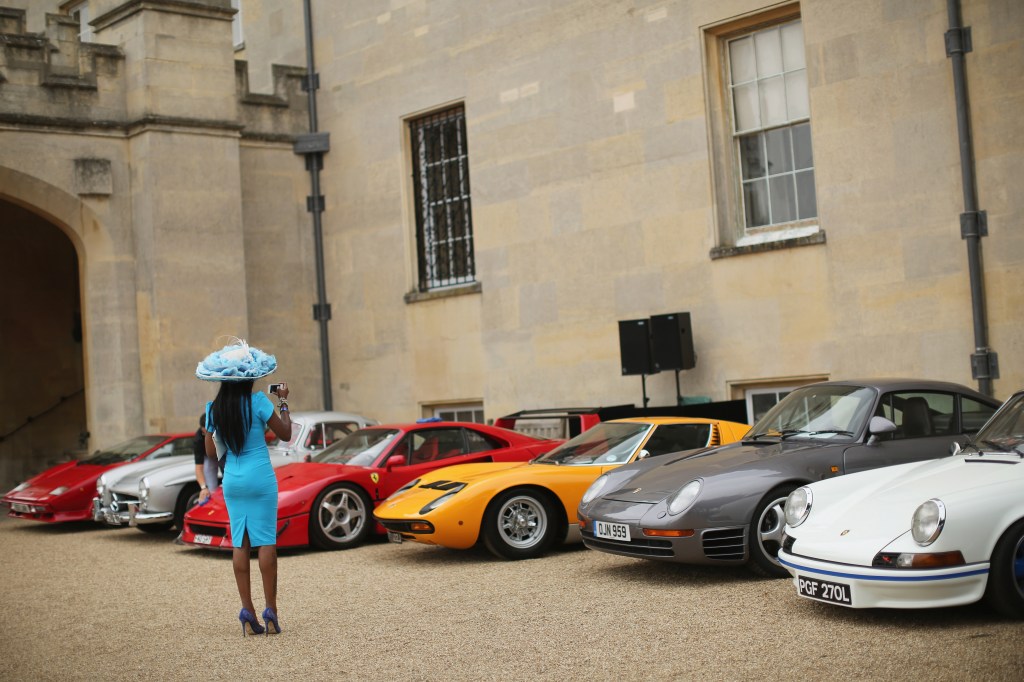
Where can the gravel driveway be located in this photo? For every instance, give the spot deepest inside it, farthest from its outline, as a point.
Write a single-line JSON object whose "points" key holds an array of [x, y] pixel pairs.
{"points": [[80, 602]]}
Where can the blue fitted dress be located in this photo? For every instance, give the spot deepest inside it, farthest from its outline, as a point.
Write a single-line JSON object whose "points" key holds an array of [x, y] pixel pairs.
{"points": [[250, 486]]}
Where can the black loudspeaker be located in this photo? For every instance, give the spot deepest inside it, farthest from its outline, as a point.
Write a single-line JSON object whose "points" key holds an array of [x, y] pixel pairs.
{"points": [[672, 342], [635, 346]]}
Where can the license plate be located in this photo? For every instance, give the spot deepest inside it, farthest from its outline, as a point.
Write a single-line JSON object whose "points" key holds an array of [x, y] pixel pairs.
{"points": [[19, 507], [611, 531], [394, 537], [836, 593], [203, 539]]}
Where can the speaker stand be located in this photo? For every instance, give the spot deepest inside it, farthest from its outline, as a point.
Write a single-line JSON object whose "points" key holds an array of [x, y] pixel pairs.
{"points": [[643, 385]]}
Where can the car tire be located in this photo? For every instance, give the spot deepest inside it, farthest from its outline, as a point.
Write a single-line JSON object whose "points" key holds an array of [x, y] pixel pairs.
{"points": [[1005, 589], [187, 498], [341, 517], [764, 537], [521, 523]]}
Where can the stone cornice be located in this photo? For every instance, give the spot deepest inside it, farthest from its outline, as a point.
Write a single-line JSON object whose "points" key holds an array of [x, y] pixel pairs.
{"points": [[193, 8], [127, 127]]}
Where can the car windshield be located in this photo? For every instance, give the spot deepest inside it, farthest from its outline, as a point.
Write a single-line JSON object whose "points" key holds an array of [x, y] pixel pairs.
{"points": [[830, 412], [1005, 430], [128, 450], [357, 449], [606, 443]]}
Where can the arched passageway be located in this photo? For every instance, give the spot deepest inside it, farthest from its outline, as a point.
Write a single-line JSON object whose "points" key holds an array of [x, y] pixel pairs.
{"points": [[42, 385]]}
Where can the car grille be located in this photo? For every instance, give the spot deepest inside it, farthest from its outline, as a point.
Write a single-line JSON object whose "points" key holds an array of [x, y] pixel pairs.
{"points": [[726, 544], [202, 529], [638, 547], [119, 501]]}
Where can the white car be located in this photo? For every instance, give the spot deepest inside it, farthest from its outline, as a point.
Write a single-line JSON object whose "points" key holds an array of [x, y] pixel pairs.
{"points": [[928, 534]]}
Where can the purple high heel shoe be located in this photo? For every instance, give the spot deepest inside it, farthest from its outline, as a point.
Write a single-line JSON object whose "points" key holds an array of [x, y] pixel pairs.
{"points": [[250, 623], [270, 618]]}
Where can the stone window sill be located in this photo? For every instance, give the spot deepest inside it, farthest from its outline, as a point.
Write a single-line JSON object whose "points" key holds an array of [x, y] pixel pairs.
{"points": [[447, 292], [783, 240]]}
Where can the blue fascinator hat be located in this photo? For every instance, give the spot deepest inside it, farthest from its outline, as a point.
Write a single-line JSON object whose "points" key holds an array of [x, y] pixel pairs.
{"points": [[237, 362]]}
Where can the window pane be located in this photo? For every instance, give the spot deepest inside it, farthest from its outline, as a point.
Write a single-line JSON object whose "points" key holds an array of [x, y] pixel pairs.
{"points": [[783, 199], [769, 53], [797, 105], [793, 46], [752, 157], [974, 414], [745, 102], [773, 101], [802, 156], [755, 202], [807, 202], [780, 156], [741, 60]]}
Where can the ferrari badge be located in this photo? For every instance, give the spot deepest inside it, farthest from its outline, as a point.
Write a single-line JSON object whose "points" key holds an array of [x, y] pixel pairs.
{"points": [[375, 477]]}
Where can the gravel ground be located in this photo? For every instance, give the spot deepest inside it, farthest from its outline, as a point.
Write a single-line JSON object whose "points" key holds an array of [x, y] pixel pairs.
{"points": [[81, 602]]}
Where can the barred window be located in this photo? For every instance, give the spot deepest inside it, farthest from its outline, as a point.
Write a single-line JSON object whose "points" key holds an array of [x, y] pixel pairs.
{"points": [[444, 224]]}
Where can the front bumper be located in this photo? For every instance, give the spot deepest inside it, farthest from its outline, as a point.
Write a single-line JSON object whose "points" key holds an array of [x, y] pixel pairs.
{"points": [[129, 516], [872, 587], [32, 510], [291, 532], [706, 546]]}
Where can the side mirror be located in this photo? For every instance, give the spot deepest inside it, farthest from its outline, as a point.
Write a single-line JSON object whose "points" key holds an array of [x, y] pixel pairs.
{"points": [[955, 448], [877, 426], [308, 458], [394, 461], [644, 454]]}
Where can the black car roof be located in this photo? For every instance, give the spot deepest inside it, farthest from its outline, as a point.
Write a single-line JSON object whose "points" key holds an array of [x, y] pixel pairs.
{"points": [[904, 384]]}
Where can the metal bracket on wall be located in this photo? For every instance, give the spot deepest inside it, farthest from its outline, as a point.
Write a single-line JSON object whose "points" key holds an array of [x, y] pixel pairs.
{"points": [[319, 205], [973, 224], [316, 82], [984, 364], [312, 143], [321, 312], [958, 41]]}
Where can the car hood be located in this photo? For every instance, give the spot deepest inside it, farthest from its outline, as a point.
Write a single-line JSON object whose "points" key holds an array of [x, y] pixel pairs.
{"points": [[69, 474], [127, 477], [854, 517], [660, 477]]}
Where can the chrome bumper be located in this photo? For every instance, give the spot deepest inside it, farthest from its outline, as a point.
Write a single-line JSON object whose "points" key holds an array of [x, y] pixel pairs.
{"points": [[129, 517]]}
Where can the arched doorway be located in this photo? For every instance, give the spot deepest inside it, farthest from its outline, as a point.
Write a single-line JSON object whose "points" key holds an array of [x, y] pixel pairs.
{"points": [[42, 399]]}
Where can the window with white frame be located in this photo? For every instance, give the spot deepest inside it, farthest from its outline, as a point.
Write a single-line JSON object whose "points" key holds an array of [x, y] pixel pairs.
{"points": [[237, 37], [771, 126], [80, 12], [470, 412], [444, 221], [760, 400]]}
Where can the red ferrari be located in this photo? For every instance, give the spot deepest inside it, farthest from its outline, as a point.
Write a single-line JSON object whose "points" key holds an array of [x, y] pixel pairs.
{"points": [[64, 492], [328, 501]]}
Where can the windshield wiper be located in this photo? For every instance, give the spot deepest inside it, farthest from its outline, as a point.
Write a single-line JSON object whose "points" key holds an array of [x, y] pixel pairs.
{"points": [[840, 432], [758, 436]]}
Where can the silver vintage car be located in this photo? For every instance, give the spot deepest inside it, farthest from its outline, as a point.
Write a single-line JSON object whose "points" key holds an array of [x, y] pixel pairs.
{"points": [[154, 496]]}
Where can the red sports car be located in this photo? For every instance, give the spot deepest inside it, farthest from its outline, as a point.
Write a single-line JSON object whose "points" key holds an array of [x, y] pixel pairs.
{"points": [[328, 501], [64, 492]]}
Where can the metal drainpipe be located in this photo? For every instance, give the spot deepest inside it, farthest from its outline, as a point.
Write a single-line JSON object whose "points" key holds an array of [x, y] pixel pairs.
{"points": [[313, 146], [973, 223]]}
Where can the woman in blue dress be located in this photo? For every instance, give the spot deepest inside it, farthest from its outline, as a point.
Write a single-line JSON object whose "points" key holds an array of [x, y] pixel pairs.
{"points": [[237, 420]]}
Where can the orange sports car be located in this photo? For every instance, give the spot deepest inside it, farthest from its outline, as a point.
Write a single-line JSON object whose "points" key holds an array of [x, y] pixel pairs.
{"points": [[520, 510]]}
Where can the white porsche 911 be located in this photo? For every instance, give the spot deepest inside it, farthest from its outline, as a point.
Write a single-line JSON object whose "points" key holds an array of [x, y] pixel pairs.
{"points": [[928, 534]]}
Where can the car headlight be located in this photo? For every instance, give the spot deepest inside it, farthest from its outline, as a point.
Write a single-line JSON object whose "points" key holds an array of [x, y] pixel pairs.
{"points": [[684, 497], [798, 506], [441, 500], [59, 491], [927, 522], [595, 488], [143, 491], [101, 487]]}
